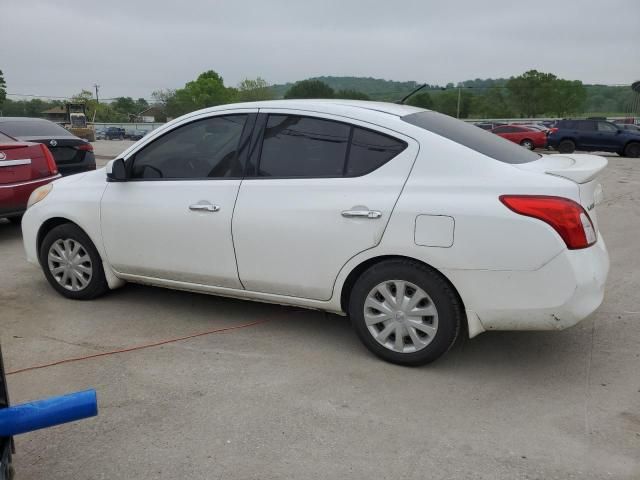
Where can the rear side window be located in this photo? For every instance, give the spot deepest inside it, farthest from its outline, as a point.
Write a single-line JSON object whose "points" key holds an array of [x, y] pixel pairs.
{"points": [[472, 137], [370, 150], [607, 127], [32, 128], [295, 146]]}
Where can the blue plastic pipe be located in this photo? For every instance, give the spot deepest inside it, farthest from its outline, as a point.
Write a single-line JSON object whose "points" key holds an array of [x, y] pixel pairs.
{"points": [[45, 413]]}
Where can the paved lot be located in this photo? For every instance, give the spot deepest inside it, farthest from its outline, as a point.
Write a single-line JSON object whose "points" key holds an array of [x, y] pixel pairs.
{"points": [[108, 149], [299, 397]]}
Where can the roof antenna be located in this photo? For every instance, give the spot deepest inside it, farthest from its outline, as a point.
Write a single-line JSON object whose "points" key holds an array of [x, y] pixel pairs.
{"points": [[401, 102]]}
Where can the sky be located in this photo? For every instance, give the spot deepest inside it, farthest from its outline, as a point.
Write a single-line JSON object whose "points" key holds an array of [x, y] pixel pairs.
{"points": [[131, 48]]}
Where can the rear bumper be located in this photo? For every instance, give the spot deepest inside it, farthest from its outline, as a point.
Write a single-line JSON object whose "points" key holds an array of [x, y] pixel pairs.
{"points": [[14, 196], [560, 294], [86, 165]]}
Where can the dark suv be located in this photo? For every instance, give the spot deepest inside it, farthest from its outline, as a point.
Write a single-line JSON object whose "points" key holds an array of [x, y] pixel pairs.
{"points": [[594, 135], [115, 132]]}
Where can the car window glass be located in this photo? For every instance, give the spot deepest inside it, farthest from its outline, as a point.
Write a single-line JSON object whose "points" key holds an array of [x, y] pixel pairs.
{"points": [[32, 128], [500, 130], [205, 148], [586, 126], [471, 137], [370, 150], [606, 127], [295, 146]]}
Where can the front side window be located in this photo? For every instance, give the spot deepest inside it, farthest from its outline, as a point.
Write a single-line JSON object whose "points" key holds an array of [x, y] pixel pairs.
{"points": [[607, 127], [295, 146], [205, 148], [587, 126]]}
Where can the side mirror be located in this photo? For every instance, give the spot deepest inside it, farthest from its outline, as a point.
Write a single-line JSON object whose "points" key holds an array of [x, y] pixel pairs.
{"points": [[118, 171]]}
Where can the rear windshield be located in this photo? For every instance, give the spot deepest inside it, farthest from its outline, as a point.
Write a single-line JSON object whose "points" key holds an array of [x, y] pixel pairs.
{"points": [[5, 139], [32, 128], [471, 136]]}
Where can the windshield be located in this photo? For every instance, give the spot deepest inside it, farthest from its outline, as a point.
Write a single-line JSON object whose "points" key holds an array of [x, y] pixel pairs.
{"points": [[471, 136]]}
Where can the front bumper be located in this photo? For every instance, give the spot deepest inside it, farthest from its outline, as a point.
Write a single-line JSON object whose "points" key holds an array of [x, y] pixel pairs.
{"points": [[558, 295]]}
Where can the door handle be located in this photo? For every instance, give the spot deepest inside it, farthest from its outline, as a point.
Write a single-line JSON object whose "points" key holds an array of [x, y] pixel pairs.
{"points": [[204, 207], [361, 212]]}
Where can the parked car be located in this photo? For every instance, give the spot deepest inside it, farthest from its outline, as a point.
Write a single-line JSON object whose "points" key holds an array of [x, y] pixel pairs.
{"points": [[488, 125], [115, 133], [136, 134], [71, 154], [24, 166], [101, 133], [415, 224], [527, 137], [594, 135]]}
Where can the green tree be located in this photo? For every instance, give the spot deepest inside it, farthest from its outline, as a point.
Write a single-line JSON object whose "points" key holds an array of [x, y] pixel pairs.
{"points": [[422, 100], [310, 89], [141, 105], [207, 90], [531, 93], [126, 105], [254, 90], [350, 94], [567, 96], [3, 88], [447, 102]]}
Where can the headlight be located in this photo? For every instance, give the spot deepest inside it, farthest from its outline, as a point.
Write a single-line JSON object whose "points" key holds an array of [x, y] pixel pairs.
{"points": [[39, 194]]}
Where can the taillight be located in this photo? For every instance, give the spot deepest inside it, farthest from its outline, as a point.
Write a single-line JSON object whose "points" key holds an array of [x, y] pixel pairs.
{"points": [[51, 162], [85, 147], [567, 217]]}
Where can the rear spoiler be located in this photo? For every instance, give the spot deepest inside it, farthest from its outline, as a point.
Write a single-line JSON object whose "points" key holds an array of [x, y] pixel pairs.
{"points": [[580, 168]]}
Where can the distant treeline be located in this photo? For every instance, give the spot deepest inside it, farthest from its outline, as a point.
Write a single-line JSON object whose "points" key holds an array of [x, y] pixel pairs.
{"points": [[531, 94]]}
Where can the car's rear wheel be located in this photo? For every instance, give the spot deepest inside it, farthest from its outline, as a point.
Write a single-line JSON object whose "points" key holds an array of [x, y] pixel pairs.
{"points": [[632, 150], [566, 146], [528, 144], [405, 312], [72, 264]]}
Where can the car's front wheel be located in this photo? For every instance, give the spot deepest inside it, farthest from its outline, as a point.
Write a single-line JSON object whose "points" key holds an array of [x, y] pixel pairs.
{"points": [[71, 263], [632, 150], [405, 312]]}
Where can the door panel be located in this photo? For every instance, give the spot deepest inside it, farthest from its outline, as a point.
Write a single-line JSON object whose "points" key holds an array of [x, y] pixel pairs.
{"points": [[148, 229], [172, 219], [291, 237]]}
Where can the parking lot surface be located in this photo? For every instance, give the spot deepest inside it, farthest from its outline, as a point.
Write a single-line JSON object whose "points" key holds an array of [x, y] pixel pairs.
{"points": [[300, 397]]}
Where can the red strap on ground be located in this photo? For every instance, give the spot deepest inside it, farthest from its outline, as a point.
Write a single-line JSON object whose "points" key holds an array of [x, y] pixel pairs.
{"points": [[138, 347]]}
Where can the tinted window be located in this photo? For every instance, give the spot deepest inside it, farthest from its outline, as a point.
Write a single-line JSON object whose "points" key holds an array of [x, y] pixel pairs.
{"points": [[568, 124], [607, 127], [296, 146], [201, 149], [370, 150], [586, 126], [468, 135], [32, 128], [501, 130]]}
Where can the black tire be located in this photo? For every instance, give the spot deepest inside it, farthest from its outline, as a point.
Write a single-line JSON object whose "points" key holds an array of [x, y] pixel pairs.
{"points": [[97, 285], [447, 303], [567, 146], [528, 144], [16, 220], [632, 150]]}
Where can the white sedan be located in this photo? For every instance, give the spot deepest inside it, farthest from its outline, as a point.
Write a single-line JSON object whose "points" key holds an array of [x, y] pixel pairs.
{"points": [[416, 225]]}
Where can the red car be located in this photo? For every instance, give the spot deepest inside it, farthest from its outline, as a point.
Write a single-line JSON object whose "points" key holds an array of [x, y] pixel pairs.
{"points": [[24, 166], [529, 138]]}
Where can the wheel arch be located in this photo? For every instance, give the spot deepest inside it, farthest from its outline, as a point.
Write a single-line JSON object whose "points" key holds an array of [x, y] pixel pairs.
{"points": [[49, 225], [356, 271]]}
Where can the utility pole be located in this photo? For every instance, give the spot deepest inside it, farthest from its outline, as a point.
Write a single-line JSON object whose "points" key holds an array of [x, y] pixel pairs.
{"points": [[458, 114], [96, 86]]}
